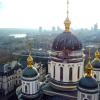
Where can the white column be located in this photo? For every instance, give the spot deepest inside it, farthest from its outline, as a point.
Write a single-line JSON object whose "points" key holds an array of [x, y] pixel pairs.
{"points": [[51, 70], [97, 96], [36, 89], [31, 88], [81, 69], [57, 72], [93, 97], [23, 87], [74, 73], [65, 73], [28, 88], [98, 76], [49, 65]]}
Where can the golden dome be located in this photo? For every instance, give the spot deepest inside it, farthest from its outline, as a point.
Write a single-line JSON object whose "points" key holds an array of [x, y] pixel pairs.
{"points": [[97, 55], [30, 61], [67, 24], [89, 68]]}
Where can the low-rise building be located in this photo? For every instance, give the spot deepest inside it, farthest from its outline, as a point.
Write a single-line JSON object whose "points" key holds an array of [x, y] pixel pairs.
{"points": [[10, 74]]}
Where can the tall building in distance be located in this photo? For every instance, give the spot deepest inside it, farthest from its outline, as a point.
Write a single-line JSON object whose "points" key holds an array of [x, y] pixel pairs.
{"points": [[67, 79]]}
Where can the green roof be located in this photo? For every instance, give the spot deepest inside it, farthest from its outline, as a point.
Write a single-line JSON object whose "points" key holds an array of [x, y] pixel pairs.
{"points": [[30, 72]]}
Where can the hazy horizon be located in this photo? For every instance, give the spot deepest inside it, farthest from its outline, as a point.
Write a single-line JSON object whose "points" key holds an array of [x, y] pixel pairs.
{"points": [[32, 14]]}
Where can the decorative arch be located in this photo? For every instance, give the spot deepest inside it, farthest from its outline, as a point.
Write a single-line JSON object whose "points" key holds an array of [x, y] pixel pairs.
{"points": [[70, 74], [95, 76], [37, 86], [61, 73], [25, 88], [54, 72], [78, 74]]}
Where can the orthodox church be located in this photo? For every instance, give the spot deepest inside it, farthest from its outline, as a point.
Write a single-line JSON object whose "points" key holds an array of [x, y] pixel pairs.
{"points": [[67, 77]]}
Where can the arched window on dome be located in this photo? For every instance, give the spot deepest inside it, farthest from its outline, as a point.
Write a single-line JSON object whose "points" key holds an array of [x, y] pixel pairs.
{"points": [[70, 74], [25, 89], [95, 76], [78, 75], [61, 74], [54, 72], [37, 86]]}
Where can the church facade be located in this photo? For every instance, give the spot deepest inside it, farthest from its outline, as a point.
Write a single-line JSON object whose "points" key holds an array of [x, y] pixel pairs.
{"points": [[67, 78]]}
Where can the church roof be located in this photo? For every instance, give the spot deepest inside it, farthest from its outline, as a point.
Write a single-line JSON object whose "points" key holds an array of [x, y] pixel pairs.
{"points": [[30, 72], [88, 83], [66, 40], [48, 90]]}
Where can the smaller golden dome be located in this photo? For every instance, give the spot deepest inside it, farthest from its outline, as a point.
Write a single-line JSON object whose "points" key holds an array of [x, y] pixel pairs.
{"points": [[97, 55], [67, 24], [30, 61], [88, 67], [89, 70]]}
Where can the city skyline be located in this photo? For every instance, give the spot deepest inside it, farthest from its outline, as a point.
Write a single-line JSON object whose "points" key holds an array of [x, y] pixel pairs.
{"points": [[48, 13]]}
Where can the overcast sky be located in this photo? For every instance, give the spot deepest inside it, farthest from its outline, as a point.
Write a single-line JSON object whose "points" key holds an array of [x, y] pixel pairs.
{"points": [[48, 13]]}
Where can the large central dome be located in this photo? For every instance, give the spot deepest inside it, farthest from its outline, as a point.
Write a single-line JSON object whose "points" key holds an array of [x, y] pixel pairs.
{"points": [[68, 41]]}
